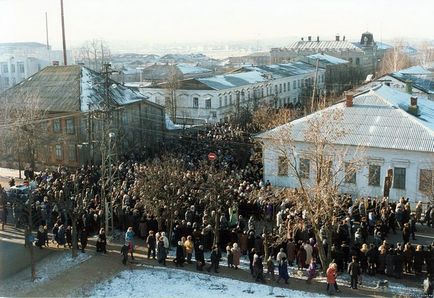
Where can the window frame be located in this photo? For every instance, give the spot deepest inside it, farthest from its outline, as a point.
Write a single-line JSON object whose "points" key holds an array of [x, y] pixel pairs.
{"points": [[398, 183], [282, 166], [374, 180]]}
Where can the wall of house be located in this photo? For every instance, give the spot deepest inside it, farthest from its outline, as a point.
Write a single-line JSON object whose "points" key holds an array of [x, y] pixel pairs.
{"points": [[412, 161], [278, 92]]}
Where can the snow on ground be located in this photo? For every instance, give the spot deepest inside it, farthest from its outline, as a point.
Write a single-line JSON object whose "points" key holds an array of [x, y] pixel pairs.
{"points": [[46, 269], [164, 282]]}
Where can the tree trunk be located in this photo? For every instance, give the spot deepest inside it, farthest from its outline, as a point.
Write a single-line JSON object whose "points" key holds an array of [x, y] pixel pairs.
{"points": [[217, 228], [325, 259]]}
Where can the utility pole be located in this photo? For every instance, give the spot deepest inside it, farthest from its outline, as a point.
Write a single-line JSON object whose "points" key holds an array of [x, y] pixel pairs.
{"points": [[314, 86], [106, 146], [65, 62]]}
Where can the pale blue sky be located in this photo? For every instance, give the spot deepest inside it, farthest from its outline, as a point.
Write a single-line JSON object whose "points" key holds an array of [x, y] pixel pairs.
{"points": [[145, 21]]}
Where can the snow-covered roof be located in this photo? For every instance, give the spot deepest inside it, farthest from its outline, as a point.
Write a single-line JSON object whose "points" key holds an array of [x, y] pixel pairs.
{"points": [[283, 70], [327, 59], [187, 69], [378, 118], [71, 88], [92, 92], [323, 45], [233, 80], [420, 77]]}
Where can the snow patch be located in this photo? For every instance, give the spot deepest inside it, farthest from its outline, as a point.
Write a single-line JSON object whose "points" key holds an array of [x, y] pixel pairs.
{"points": [[46, 270], [165, 282]]}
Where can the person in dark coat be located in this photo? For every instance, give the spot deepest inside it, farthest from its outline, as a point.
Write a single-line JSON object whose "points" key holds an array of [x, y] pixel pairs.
{"points": [[83, 239], [68, 235], [258, 268], [301, 257], [41, 237], [200, 258], [180, 258], [61, 236], [418, 260], [214, 259], [354, 271], [283, 270], [406, 233], [161, 251], [251, 255], [124, 252], [151, 243], [101, 241], [398, 261]]}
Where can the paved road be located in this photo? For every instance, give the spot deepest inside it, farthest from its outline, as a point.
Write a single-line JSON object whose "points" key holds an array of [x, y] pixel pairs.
{"points": [[13, 256]]}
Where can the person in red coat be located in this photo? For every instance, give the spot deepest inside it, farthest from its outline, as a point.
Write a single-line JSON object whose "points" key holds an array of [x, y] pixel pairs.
{"points": [[331, 277]]}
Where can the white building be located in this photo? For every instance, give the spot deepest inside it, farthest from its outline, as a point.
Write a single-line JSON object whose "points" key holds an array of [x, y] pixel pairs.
{"points": [[216, 98], [20, 60], [396, 131]]}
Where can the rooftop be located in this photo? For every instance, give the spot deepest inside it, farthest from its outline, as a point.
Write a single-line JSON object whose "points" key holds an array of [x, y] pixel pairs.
{"points": [[322, 45], [379, 118], [326, 59], [70, 88], [420, 77]]}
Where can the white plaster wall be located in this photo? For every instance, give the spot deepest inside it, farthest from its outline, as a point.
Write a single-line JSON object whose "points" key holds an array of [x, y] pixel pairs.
{"points": [[413, 161]]}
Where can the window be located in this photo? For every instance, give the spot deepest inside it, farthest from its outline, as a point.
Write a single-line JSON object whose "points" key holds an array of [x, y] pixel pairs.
{"points": [[275, 89], [208, 103], [5, 68], [280, 88], [196, 102], [426, 181], [350, 173], [282, 166], [230, 99], [213, 114], [20, 66], [294, 85], [304, 168], [226, 100], [399, 178], [284, 87], [56, 125], [59, 153], [350, 60], [125, 119], [374, 175], [289, 86], [357, 61], [72, 153], [70, 126]]}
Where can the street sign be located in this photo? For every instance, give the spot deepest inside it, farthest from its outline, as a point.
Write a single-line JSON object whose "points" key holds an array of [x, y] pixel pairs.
{"points": [[212, 156]]}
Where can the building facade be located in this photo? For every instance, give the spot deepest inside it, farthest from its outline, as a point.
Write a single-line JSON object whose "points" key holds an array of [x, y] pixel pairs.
{"points": [[70, 104], [217, 98], [394, 132], [364, 54]]}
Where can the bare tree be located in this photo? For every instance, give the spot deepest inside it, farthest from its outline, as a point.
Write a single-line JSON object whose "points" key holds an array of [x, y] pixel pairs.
{"points": [[23, 117], [395, 59], [426, 54], [94, 54], [318, 167], [426, 185], [172, 85], [266, 117]]}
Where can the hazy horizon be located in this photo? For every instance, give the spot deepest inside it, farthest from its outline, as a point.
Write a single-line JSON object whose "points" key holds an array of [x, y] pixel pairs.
{"points": [[135, 24]]}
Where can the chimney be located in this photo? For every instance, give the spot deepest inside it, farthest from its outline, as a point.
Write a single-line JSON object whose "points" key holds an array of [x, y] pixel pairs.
{"points": [[349, 100], [337, 37], [343, 38], [309, 38], [408, 87], [387, 83], [55, 63], [413, 101], [302, 38], [317, 38]]}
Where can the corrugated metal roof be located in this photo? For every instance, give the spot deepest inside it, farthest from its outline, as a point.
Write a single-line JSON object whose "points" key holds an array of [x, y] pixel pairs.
{"points": [[69, 89], [323, 46], [378, 118]]}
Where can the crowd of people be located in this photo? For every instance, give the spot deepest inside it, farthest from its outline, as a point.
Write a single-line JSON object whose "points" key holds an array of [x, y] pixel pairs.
{"points": [[233, 223]]}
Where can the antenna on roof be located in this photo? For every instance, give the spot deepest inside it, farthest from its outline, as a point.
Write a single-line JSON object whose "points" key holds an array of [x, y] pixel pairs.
{"points": [[46, 30]]}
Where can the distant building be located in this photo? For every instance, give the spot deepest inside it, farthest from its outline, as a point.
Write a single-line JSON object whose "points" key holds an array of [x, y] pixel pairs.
{"points": [[71, 99], [261, 58], [217, 98], [363, 54], [20, 60], [396, 132]]}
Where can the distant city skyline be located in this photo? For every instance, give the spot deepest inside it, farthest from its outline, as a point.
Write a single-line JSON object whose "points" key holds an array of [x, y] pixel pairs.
{"points": [[133, 24]]}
